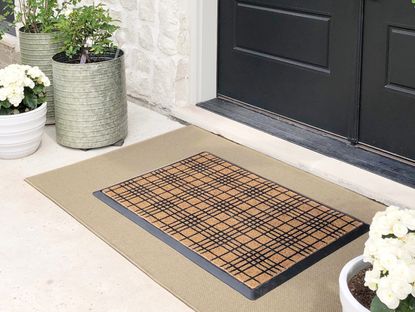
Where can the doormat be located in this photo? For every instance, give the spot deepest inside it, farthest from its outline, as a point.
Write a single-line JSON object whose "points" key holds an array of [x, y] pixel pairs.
{"points": [[248, 231]]}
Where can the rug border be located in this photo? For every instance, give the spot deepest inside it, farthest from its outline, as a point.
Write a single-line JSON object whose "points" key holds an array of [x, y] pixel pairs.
{"points": [[249, 293]]}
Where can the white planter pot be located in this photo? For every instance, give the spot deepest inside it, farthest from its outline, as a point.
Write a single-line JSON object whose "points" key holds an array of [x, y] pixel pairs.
{"points": [[21, 134], [349, 303]]}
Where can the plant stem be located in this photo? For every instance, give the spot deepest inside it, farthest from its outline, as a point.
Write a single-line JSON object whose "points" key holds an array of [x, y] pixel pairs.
{"points": [[22, 12], [84, 56]]}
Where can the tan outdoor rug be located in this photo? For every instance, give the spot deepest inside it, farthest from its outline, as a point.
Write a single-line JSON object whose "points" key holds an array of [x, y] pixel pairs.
{"points": [[248, 231], [314, 289]]}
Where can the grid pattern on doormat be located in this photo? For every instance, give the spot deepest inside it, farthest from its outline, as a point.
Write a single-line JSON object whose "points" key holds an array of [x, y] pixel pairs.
{"points": [[253, 230]]}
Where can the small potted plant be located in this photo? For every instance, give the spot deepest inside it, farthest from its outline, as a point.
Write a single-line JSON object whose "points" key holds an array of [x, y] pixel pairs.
{"points": [[89, 77], [22, 110], [4, 25], [37, 35], [383, 279]]}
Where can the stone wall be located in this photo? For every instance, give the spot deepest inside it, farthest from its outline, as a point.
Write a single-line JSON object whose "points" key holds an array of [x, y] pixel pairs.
{"points": [[8, 54], [155, 36]]}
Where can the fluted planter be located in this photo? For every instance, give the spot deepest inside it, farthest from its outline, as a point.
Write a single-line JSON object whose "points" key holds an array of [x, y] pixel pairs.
{"points": [[90, 101], [21, 134], [37, 49]]}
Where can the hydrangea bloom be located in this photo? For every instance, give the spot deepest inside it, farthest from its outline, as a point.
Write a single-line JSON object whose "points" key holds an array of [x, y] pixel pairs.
{"points": [[391, 250], [22, 87]]}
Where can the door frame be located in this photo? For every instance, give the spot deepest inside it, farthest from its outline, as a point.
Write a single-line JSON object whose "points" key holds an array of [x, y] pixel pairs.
{"points": [[203, 16]]}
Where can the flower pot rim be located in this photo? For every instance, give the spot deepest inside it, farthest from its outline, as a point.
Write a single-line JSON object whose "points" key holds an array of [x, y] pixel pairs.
{"points": [[343, 282], [39, 33], [31, 112], [121, 55]]}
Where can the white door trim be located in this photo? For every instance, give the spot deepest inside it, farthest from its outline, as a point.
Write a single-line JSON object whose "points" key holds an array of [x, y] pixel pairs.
{"points": [[204, 44]]}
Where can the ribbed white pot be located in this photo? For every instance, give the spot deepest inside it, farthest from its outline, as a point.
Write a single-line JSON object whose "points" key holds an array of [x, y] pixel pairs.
{"points": [[349, 303], [21, 134]]}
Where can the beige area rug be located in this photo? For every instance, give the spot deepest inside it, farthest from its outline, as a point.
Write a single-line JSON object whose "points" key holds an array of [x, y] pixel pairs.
{"points": [[315, 289]]}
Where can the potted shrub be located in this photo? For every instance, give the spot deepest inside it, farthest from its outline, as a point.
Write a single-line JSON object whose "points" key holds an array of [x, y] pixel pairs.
{"points": [[22, 110], [89, 77], [4, 25], [383, 279], [37, 35]]}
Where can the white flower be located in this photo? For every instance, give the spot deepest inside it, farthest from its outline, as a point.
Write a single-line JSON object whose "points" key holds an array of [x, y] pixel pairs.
{"points": [[45, 81], [29, 83], [372, 279], [13, 76], [16, 96], [388, 297], [404, 271], [401, 289], [391, 251], [399, 230], [35, 72], [3, 94], [387, 260]]}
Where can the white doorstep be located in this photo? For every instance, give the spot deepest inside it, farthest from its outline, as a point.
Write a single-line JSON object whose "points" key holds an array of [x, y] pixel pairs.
{"points": [[359, 180]]}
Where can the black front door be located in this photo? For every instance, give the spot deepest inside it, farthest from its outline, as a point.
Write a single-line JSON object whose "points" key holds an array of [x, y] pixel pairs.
{"points": [[293, 58], [343, 66], [388, 79]]}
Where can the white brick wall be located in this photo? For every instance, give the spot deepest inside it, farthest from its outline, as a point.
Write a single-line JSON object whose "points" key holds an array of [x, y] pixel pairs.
{"points": [[155, 36]]}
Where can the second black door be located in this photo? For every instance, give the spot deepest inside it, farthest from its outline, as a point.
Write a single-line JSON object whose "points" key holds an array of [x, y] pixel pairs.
{"points": [[294, 58], [387, 119]]}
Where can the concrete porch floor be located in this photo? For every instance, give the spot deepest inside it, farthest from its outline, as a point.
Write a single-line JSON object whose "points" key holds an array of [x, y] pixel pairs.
{"points": [[49, 261]]}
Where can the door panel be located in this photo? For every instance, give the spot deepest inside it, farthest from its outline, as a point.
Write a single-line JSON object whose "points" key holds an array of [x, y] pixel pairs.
{"points": [[388, 78], [294, 58], [295, 43]]}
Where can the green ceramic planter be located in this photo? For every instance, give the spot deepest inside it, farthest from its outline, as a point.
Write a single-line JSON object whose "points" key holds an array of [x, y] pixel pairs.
{"points": [[38, 50], [90, 102]]}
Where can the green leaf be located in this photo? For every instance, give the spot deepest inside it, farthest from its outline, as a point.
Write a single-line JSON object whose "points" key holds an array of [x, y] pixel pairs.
{"points": [[5, 111], [5, 104], [379, 306], [38, 89], [30, 100], [407, 305]]}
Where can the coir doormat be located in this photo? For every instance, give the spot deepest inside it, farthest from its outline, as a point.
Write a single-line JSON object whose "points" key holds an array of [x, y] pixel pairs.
{"points": [[249, 232]]}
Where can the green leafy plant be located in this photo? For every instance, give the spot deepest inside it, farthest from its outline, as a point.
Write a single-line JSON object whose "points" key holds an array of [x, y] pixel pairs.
{"points": [[87, 32], [2, 29], [36, 16], [7, 10]]}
